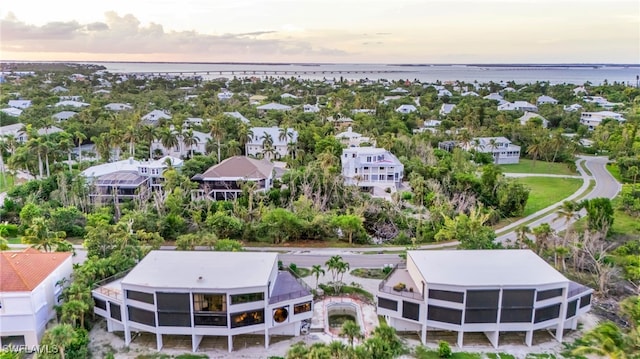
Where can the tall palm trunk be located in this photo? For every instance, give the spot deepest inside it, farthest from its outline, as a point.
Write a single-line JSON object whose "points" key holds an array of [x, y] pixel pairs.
{"points": [[40, 165], [46, 156], [79, 153], [218, 143], [69, 160]]}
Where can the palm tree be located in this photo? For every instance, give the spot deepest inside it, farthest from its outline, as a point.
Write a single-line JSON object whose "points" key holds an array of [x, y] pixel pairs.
{"points": [[245, 136], [61, 336], [40, 237], [217, 132], [38, 145], [79, 136], [606, 340], [534, 149], [116, 140], [332, 264], [556, 143], [342, 267], [102, 146], [168, 138], [74, 310], [129, 136], [66, 145], [522, 237], [543, 234], [233, 148], [351, 330], [3, 147], [317, 270], [149, 133], [493, 145], [189, 140]]}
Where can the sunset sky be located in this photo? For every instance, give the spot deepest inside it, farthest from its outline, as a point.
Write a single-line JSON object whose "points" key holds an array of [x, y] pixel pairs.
{"points": [[368, 31]]}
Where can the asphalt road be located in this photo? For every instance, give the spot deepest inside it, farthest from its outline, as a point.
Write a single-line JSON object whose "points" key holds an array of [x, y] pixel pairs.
{"points": [[606, 186]]}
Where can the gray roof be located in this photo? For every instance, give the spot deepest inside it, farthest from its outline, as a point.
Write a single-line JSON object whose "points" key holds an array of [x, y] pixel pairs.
{"points": [[202, 270], [477, 268], [240, 167]]}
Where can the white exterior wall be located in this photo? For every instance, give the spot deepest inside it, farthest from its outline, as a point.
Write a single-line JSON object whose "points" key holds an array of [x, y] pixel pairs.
{"points": [[362, 168], [27, 313]]}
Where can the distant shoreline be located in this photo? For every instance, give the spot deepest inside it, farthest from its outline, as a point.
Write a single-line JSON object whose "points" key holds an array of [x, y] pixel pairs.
{"points": [[497, 65]]}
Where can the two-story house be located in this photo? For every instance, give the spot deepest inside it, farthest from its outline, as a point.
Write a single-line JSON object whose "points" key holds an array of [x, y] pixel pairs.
{"points": [[205, 294], [369, 167], [350, 138], [224, 181], [270, 142], [503, 151], [127, 179], [30, 288], [481, 291], [594, 119]]}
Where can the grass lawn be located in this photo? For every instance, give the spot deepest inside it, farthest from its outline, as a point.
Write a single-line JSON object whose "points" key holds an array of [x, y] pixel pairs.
{"points": [[369, 273], [546, 191], [528, 166], [615, 171], [6, 182]]}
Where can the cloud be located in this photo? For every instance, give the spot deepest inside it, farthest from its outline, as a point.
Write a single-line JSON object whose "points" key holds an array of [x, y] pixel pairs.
{"points": [[126, 35]]}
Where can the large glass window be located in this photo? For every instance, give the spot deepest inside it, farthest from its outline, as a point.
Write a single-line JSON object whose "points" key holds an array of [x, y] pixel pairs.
{"points": [[302, 308], [99, 303], [586, 300], [140, 296], [550, 293], [142, 316], [209, 302], [571, 308], [247, 298], [115, 311], [445, 315], [446, 295], [174, 309], [387, 304], [410, 310], [547, 313], [247, 318]]}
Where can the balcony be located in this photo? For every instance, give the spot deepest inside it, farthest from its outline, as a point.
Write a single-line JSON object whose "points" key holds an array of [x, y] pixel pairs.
{"points": [[110, 287], [288, 286], [392, 284]]}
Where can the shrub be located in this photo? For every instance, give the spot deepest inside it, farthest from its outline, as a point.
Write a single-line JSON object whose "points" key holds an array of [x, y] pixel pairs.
{"points": [[444, 350], [293, 267], [399, 287]]}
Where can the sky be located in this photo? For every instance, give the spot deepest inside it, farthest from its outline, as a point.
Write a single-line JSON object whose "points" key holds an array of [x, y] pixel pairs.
{"points": [[319, 31]]}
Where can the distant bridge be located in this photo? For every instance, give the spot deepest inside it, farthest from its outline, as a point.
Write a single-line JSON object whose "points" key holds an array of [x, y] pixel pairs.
{"points": [[267, 72]]}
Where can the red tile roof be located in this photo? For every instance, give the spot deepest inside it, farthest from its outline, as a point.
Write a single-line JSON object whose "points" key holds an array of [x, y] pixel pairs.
{"points": [[24, 271]]}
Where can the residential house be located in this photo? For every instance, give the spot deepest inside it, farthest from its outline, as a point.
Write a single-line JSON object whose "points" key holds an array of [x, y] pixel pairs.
{"points": [[481, 291], [11, 111], [118, 107], [17, 131], [429, 125], [399, 90], [544, 99], [530, 115], [270, 142], [601, 101], [127, 179], [31, 284], [272, 107], [368, 111], [446, 109], [237, 115], [594, 119], [20, 104], [225, 95], [444, 92], [154, 116], [494, 96], [64, 115], [71, 98], [70, 103], [503, 151], [579, 90], [406, 109], [203, 294], [469, 93], [369, 167], [256, 99], [573, 108], [350, 138], [59, 89], [182, 150], [289, 96], [308, 108], [224, 181], [518, 106]]}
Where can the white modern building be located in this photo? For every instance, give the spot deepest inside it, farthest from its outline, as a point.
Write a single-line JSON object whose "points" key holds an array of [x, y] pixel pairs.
{"points": [[273, 107], [370, 167], [308, 108], [350, 138], [118, 106], [601, 101], [63, 115], [270, 142], [480, 291], [594, 119], [29, 291], [503, 151], [518, 106], [71, 103], [204, 294]]}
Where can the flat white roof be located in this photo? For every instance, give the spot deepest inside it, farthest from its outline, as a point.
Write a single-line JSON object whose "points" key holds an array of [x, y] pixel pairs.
{"points": [[495, 267], [219, 270]]}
